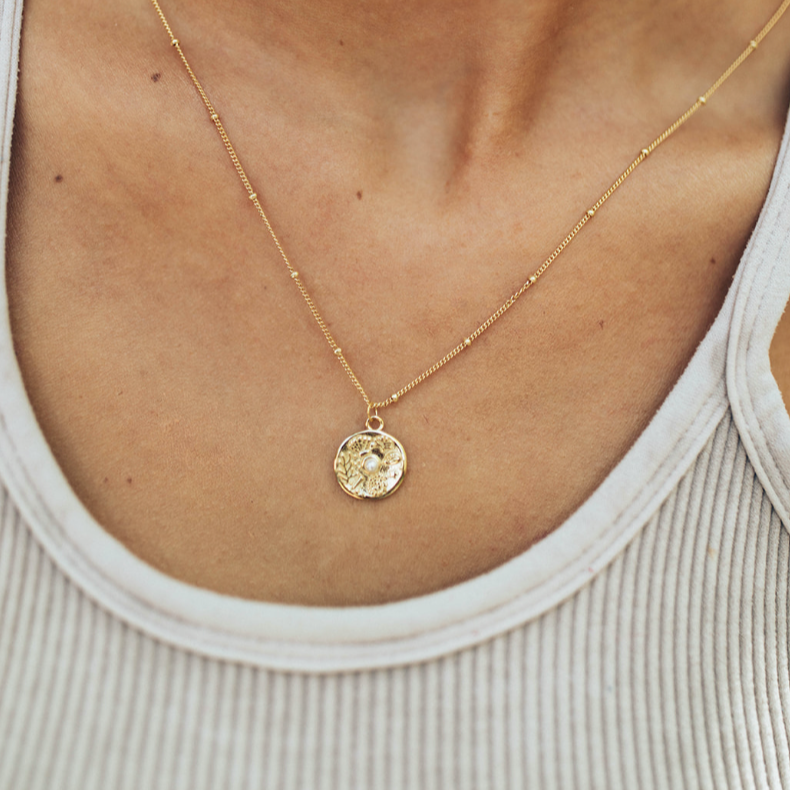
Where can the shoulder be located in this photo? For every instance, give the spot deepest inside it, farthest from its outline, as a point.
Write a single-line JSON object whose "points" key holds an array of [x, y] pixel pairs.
{"points": [[780, 356]]}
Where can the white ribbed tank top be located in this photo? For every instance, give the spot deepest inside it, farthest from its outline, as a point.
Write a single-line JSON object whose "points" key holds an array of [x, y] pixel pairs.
{"points": [[643, 644]]}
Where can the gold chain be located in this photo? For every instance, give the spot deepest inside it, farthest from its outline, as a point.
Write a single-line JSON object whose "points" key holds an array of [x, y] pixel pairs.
{"points": [[531, 280]]}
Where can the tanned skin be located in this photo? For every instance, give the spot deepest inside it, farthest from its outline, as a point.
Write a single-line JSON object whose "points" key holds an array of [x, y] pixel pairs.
{"points": [[418, 158]]}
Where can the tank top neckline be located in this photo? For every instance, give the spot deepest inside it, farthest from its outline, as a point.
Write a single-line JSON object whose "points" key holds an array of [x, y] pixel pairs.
{"points": [[318, 639]]}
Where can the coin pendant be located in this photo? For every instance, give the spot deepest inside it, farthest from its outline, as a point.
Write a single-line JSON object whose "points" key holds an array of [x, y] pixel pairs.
{"points": [[370, 465]]}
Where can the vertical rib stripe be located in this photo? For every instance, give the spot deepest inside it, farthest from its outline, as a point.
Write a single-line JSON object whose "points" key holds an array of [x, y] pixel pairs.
{"points": [[781, 679], [111, 764], [563, 698], [580, 763], [365, 716], [496, 731], [641, 681], [611, 633], [662, 761], [594, 686], [723, 510], [514, 723], [535, 726], [431, 707], [414, 757], [623, 611], [480, 717], [547, 710], [464, 721], [768, 738], [748, 632]]}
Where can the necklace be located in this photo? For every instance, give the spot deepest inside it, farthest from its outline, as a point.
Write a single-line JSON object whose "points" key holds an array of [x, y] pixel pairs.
{"points": [[371, 464]]}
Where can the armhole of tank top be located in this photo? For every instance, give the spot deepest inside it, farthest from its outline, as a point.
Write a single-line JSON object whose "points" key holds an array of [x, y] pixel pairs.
{"points": [[762, 293]]}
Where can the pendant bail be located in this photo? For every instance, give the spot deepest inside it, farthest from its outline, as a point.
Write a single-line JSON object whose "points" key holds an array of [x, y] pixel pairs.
{"points": [[374, 416]]}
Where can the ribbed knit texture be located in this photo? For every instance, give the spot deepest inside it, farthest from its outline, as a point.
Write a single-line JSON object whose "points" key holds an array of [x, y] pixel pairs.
{"points": [[668, 669]]}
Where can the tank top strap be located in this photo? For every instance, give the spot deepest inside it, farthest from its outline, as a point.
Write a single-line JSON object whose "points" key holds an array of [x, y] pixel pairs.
{"points": [[10, 26], [762, 291]]}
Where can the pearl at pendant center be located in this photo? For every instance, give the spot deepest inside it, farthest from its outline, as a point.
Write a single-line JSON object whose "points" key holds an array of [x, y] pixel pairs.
{"points": [[371, 463]]}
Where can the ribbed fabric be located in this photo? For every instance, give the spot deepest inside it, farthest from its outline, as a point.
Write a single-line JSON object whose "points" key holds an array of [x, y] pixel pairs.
{"points": [[669, 669]]}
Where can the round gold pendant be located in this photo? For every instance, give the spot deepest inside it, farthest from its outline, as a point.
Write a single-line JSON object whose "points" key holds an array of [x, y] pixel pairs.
{"points": [[370, 464]]}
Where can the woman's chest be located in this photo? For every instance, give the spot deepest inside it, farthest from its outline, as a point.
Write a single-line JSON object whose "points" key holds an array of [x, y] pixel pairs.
{"points": [[192, 402]]}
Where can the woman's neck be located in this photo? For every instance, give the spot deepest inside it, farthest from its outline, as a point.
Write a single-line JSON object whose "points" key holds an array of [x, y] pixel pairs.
{"points": [[448, 81]]}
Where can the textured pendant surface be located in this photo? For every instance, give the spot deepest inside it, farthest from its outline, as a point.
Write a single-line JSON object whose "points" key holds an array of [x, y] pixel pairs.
{"points": [[370, 465]]}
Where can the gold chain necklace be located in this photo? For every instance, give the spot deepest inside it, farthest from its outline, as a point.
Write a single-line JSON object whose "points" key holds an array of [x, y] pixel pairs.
{"points": [[371, 464]]}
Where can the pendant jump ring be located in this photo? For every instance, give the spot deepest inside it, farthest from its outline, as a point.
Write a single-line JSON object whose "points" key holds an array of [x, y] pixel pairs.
{"points": [[379, 427]]}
